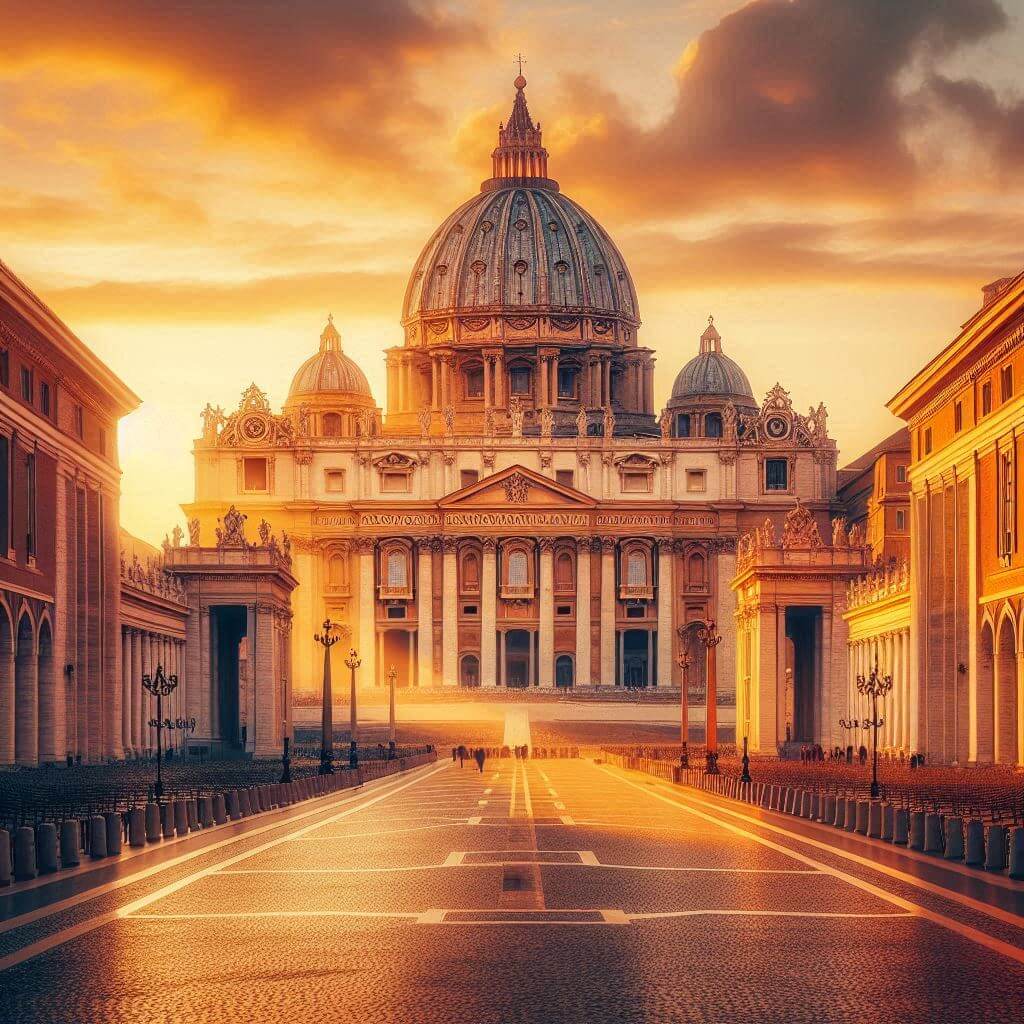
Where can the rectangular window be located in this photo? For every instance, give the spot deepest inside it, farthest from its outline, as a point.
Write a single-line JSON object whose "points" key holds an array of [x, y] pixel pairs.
{"points": [[958, 417], [519, 380], [397, 576], [696, 480], [396, 611], [254, 474], [468, 476], [5, 368], [334, 480], [79, 421], [563, 609], [636, 483], [901, 474], [683, 425], [1007, 511], [44, 398], [475, 382], [986, 398], [776, 475], [1006, 384], [5, 496], [565, 477], [394, 483], [927, 440], [566, 382], [27, 385], [30, 498], [901, 520], [469, 609]]}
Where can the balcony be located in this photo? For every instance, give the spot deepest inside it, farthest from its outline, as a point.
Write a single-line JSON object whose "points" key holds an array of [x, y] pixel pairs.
{"points": [[521, 593], [636, 592], [387, 593]]}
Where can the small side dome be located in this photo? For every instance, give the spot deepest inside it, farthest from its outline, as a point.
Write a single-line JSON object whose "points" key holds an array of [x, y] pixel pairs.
{"points": [[711, 374], [330, 371]]}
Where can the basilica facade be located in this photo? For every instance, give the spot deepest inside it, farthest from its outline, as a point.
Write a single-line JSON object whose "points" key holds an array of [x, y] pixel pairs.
{"points": [[518, 513]]}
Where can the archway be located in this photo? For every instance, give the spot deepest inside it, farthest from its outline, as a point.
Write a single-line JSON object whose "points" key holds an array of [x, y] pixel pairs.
{"points": [[26, 694], [469, 670], [397, 650], [986, 696], [1006, 693], [564, 675], [47, 695], [518, 651], [6, 688], [636, 669]]}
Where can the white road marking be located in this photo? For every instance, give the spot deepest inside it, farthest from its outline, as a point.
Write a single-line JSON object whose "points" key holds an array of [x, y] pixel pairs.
{"points": [[474, 821], [988, 941], [567, 820], [481, 803], [759, 913], [559, 806], [222, 915]]}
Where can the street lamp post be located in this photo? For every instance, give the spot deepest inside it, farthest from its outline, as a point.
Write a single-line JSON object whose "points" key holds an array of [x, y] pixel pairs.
{"points": [[683, 661], [327, 710], [709, 636], [745, 777], [392, 676], [353, 661], [160, 686], [874, 686], [286, 761]]}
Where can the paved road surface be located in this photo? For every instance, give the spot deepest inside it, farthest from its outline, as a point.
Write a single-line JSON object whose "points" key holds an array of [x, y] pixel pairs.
{"points": [[542, 891]]}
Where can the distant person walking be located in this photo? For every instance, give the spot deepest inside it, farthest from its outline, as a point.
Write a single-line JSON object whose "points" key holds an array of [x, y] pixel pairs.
{"points": [[479, 756], [455, 755], [462, 754]]}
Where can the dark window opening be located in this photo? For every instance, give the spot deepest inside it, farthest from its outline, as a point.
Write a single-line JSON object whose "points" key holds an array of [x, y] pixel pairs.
{"points": [[776, 475], [713, 425], [683, 425], [958, 417], [567, 382], [564, 609], [44, 398], [469, 609], [986, 398], [519, 380], [396, 611], [475, 382], [27, 385], [1006, 383]]}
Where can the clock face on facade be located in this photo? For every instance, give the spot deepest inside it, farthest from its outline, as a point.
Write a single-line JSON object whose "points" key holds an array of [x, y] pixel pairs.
{"points": [[254, 428], [776, 428]]}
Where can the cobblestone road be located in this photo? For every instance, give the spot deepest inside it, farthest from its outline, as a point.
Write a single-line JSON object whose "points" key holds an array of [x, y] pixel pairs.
{"points": [[542, 891]]}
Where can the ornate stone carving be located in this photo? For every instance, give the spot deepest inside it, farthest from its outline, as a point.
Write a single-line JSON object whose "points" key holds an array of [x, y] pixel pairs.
{"points": [[425, 545], [730, 418], [232, 535], [425, 417], [303, 420], [176, 536], [264, 532], [303, 457], [545, 460], [546, 543], [252, 424], [489, 424], [488, 461], [799, 530], [193, 533], [547, 422], [365, 545], [517, 489], [665, 423], [448, 415], [489, 543], [839, 538], [213, 420], [449, 544], [609, 423], [582, 422], [516, 413]]}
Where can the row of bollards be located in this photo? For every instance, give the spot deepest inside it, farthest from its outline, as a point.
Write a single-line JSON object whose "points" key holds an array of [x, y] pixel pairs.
{"points": [[48, 848]]}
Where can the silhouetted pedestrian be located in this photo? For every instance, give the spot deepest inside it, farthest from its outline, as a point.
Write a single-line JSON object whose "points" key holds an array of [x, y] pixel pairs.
{"points": [[479, 756]]}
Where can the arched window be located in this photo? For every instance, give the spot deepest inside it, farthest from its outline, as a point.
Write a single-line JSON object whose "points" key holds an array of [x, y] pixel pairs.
{"points": [[331, 424], [397, 569], [563, 670], [471, 572], [695, 570], [636, 569], [713, 425], [563, 571], [518, 569], [474, 376], [336, 570], [469, 674], [683, 425]]}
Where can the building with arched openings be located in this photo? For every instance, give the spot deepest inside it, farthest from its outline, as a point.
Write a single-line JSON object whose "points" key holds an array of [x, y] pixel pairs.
{"points": [[516, 511]]}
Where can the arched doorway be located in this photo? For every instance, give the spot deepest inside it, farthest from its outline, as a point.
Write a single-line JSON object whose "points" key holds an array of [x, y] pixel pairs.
{"points": [[469, 670], [397, 650], [518, 651], [6, 688], [636, 667], [564, 675], [986, 694], [1006, 693], [47, 695], [26, 694]]}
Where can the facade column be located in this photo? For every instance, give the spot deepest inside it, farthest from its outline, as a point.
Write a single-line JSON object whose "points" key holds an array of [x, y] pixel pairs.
{"points": [[666, 602], [499, 381], [488, 614], [435, 385], [425, 611], [488, 363], [449, 614], [724, 551], [136, 692], [607, 611], [7, 699], [540, 382], [583, 673], [547, 613], [110, 618], [367, 612], [553, 381], [63, 567], [531, 677], [126, 688]]}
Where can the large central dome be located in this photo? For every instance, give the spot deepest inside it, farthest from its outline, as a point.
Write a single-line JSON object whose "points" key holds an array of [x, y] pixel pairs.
{"points": [[520, 246]]}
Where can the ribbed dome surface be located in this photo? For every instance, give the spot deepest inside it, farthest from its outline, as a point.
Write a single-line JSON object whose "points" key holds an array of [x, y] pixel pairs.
{"points": [[329, 370], [711, 373], [526, 248]]}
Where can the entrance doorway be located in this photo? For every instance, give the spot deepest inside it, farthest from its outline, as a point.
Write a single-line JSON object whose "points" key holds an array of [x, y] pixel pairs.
{"points": [[396, 647], [228, 624], [518, 653], [803, 630], [563, 670], [636, 660]]}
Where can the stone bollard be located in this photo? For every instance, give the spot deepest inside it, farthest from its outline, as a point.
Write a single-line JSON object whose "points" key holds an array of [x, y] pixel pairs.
{"points": [[916, 840], [152, 823], [206, 811], [900, 826], [181, 817], [815, 806], [114, 825], [220, 810], [167, 819], [136, 827], [933, 833], [954, 839], [1017, 852], [234, 805], [861, 823], [975, 852], [24, 854], [46, 848], [888, 813], [853, 813], [995, 848], [875, 819], [192, 812], [805, 805], [828, 814], [5, 857], [97, 837], [840, 819], [244, 803], [69, 844]]}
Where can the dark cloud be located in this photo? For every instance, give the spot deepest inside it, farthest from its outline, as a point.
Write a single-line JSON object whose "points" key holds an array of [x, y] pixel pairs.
{"points": [[997, 122], [802, 99]]}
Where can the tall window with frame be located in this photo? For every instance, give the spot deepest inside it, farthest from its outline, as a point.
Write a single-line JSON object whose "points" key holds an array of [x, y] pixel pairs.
{"points": [[398, 578], [30, 510], [518, 569], [636, 569], [1006, 383], [776, 475], [5, 495], [986, 398], [5, 368], [519, 380], [1007, 505]]}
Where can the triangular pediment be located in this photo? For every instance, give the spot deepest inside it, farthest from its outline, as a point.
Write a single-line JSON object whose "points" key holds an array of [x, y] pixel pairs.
{"points": [[517, 487]]}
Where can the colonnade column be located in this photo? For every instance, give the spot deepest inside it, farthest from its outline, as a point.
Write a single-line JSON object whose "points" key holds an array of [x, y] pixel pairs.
{"points": [[367, 612], [488, 363], [546, 675], [425, 611], [488, 614], [126, 688], [666, 598], [136, 691], [449, 615], [584, 667], [607, 611]]}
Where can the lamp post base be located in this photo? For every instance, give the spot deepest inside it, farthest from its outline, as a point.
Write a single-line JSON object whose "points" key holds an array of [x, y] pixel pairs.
{"points": [[353, 755], [326, 766], [391, 750]]}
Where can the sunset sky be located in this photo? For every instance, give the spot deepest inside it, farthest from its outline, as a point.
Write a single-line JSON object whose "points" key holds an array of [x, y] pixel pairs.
{"points": [[192, 187]]}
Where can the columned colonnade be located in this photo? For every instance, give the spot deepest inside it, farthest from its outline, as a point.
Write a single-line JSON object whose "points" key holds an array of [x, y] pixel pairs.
{"points": [[141, 652], [890, 651]]}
